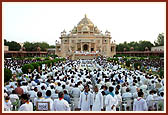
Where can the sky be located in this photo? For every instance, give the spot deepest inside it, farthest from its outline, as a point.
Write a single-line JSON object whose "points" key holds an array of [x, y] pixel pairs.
{"points": [[44, 21]]}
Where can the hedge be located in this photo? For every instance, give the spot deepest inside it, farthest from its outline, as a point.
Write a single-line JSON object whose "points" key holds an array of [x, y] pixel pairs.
{"points": [[112, 59], [26, 67], [35, 65], [7, 75], [128, 63], [137, 64]]}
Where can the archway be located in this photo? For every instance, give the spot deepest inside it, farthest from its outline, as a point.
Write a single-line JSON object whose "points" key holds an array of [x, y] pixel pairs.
{"points": [[85, 47]]}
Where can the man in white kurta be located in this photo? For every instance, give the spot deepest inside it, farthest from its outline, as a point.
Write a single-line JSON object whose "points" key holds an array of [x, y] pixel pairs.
{"points": [[139, 103], [111, 100], [75, 92], [97, 100], [7, 104], [85, 100], [60, 104], [27, 106]]}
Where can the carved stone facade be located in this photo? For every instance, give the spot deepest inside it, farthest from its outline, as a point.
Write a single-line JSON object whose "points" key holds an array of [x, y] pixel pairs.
{"points": [[85, 41]]}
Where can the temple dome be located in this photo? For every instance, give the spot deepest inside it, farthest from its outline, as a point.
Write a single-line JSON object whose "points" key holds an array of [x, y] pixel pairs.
{"points": [[85, 29], [85, 21]]}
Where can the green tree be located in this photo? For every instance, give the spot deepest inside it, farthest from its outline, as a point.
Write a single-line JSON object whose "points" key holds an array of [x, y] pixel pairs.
{"points": [[138, 46], [28, 46], [33, 46], [7, 75], [144, 44], [52, 46], [13, 46], [160, 40]]}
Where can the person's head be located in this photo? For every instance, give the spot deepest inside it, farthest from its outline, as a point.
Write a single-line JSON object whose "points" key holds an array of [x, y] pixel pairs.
{"points": [[65, 92], [52, 87], [116, 92], [103, 93], [76, 85], [154, 91], [13, 92], [96, 89], [105, 87], [60, 95], [127, 90], [24, 98], [7, 98], [151, 92], [86, 88], [63, 86], [111, 89], [138, 89], [56, 91], [43, 87], [162, 94], [140, 94], [59, 84], [35, 89], [18, 84], [39, 94], [48, 93]]}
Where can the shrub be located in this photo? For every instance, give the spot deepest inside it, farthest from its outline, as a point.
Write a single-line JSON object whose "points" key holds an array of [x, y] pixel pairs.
{"points": [[26, 67], [47, 58], [137, 64], [38, 58], [128, 63], [35, 65], [161, 72], [39, 63], [7, 75], [125, 59]]}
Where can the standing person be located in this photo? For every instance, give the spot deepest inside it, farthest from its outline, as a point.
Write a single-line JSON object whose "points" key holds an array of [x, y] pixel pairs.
{"points": [[48, 99], [7, 104], [97, 100], [39, 98], [111, 100], [67, 97], [85, 100], [19, 90], [60, 104], [26, 106], [140, 103], [75, 92]]}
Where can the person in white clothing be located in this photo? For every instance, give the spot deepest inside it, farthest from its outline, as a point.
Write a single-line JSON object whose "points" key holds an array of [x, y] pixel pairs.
{"points": [[85, 101], [39, 98], [75, 92], [111, 100], [97, 100], [26, 106], [127, 94], [7, 104], [60, 104], [13, 95], [140, 103], [24, 87], [48, 99]]}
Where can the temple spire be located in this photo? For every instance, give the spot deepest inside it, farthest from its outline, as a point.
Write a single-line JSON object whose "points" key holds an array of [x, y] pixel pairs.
{"points": [[85, 16]]}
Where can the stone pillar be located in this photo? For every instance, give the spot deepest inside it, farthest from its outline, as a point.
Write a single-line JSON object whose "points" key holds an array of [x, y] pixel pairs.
{"points": [[94, 47], [89, 47], [81, 47]]}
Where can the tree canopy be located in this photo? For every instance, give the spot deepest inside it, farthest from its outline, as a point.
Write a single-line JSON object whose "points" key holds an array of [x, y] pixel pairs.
{"points": [[33, 46], [13, 46], [160, 40], [137, 46]]}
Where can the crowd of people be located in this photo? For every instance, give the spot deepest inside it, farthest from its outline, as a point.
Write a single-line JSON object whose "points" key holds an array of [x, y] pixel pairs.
{"points": [[84, 85]]}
